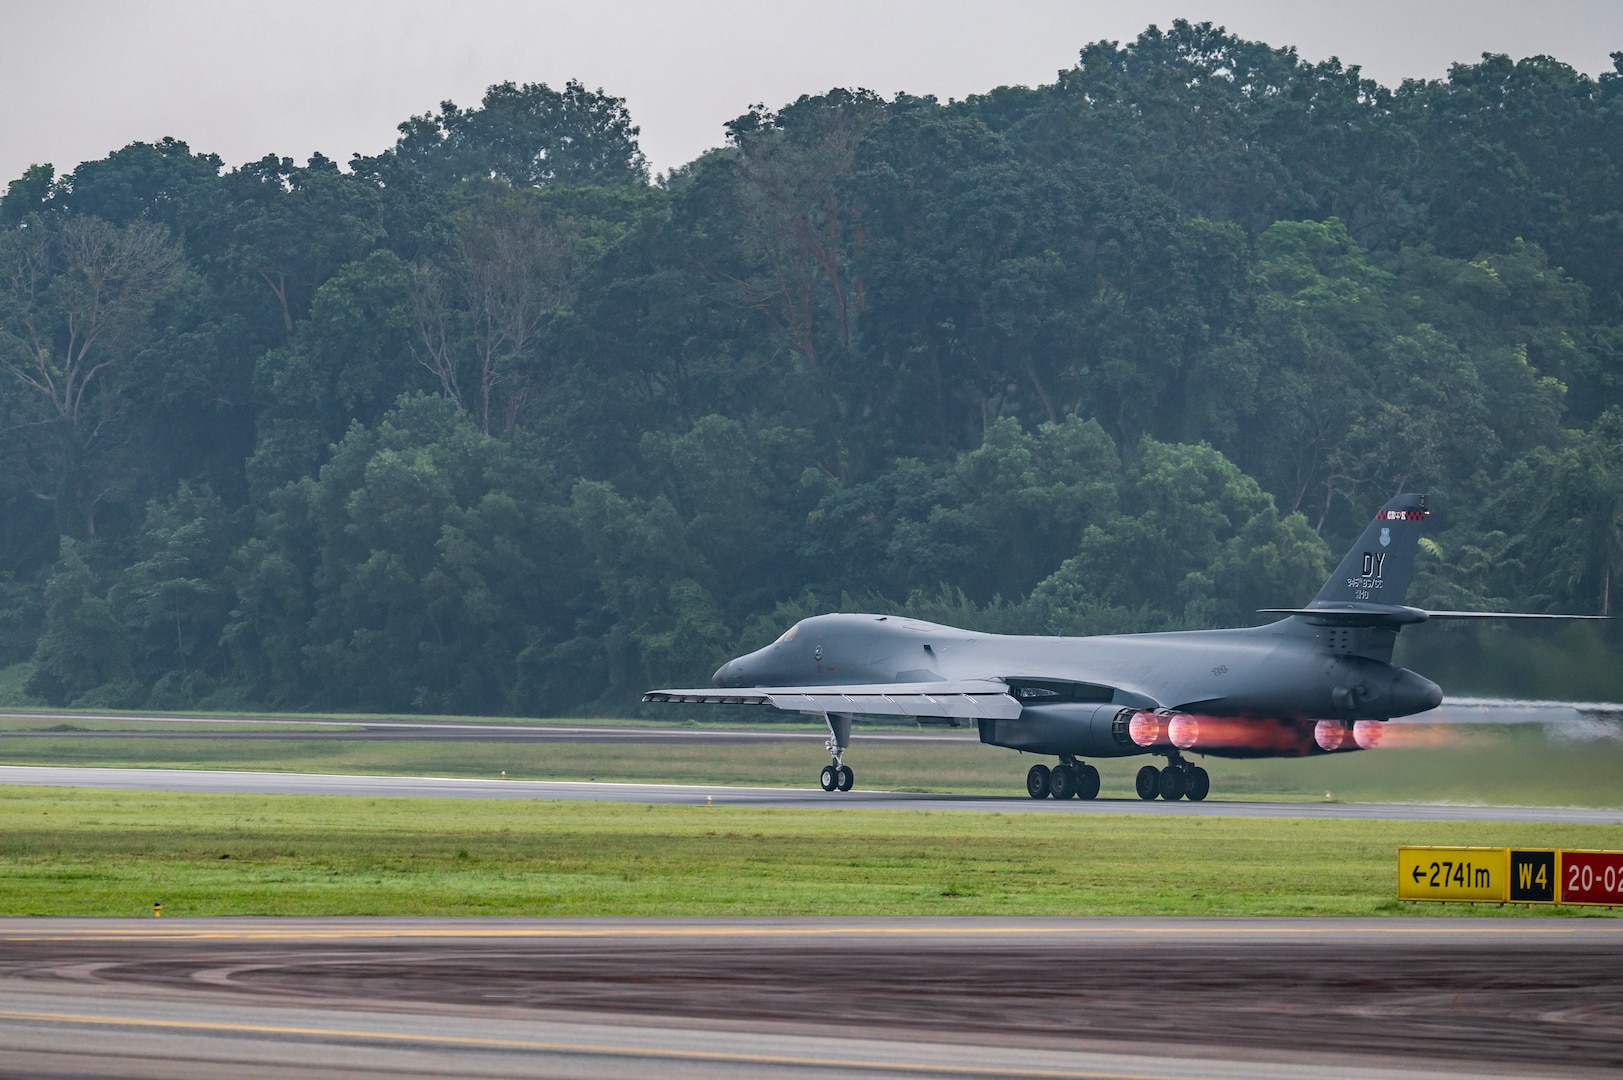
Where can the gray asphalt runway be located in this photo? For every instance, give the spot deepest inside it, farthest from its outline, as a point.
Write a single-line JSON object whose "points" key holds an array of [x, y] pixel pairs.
{"points": [[774, 998], [692, 795]]}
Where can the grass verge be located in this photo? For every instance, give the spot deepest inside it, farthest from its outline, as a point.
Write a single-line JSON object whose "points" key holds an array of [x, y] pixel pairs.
{"points": [[85, 852]]}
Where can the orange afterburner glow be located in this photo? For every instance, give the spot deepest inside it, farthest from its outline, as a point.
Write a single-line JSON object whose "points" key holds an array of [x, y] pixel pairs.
{"points": [[1260, 735], [1331, 735], [1368, 734], [1148, 729]]}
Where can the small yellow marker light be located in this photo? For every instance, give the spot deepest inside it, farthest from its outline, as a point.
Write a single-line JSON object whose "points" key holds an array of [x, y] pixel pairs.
{"points": [[707, 800], [157, 910], [504, 774]]}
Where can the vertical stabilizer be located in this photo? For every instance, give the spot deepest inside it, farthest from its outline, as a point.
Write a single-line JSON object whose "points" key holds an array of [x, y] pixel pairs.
{"points": [[1380, 565]]}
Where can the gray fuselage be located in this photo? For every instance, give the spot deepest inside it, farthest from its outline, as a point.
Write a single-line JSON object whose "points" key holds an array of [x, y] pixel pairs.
{"points": [[1292, 669]]}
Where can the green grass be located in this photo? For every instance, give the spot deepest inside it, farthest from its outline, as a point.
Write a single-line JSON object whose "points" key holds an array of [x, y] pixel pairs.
{"points": [[1504, 764], [89, 852]]}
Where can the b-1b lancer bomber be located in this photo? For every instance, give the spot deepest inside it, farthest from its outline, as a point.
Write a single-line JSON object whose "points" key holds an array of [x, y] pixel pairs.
{"points": [[1320, 680]]}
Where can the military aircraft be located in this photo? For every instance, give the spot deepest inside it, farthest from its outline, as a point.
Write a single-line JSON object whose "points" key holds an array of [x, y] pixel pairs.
{"points": [[1318, 680]]}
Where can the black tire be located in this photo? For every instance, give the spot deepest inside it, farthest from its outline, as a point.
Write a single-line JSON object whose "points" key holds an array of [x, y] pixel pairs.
{"points": [[1037, 782], [1200, 784], [830, 779], [845, 779], [1172, 783], [1088, 788], [1062, 781], [1148, 782]]}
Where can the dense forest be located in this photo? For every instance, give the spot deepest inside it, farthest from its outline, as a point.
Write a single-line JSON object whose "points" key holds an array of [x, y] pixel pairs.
{"points": [[496, 422]]}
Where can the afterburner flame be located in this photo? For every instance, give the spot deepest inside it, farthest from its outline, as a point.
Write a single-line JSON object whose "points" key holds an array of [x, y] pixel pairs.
{"points": [[1411, 735], [1184, 731], [1331, 735], [1368, 734], [1148, 729], [1252, 735]]}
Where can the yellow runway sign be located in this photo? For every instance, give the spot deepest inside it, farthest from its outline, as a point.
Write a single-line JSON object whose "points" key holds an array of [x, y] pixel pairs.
{"points": [[1453, 873]]}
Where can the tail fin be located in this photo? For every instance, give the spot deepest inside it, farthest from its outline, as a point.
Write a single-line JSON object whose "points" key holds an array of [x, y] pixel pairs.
{"points": [[1380, 566], [1370, 585]]}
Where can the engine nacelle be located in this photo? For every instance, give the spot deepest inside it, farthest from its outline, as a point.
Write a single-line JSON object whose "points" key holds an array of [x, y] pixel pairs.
{"points": [[1068, 729], [1087, 730]]}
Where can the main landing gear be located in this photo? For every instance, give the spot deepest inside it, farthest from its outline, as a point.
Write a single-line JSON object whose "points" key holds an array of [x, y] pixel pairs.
{"points": [[837, 776], [1179, 780], [1067, 779]]}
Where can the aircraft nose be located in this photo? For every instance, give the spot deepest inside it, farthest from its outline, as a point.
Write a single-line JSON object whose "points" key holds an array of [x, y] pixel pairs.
{"points": [[727, 675]]}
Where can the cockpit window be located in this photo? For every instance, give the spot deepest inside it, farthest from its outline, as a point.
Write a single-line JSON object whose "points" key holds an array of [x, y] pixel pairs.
{"points": [[788, 635]]}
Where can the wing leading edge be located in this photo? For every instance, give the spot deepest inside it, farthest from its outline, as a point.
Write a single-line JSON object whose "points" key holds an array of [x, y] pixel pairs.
{"points": [[964, 700]]}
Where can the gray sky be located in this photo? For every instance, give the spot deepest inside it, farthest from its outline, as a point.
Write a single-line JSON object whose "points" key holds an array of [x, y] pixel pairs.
{"points": [[81, 78]]}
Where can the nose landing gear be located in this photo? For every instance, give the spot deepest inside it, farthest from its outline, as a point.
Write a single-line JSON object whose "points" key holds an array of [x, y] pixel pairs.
{"points": [[837, 776]]}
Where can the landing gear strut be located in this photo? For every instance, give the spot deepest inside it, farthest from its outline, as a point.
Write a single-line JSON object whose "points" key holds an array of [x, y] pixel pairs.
{"points": [[1068, 779], [837, 776], [1179, 780]]}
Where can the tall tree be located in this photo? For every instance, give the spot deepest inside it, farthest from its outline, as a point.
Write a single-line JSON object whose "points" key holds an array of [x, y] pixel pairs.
{"points": [[526, 135], [480, 317], [75, 296]]}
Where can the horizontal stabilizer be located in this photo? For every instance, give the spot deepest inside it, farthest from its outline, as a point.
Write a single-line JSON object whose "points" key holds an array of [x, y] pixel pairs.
{"points": [[1506, 615], [1397, 615], [967, 700]]}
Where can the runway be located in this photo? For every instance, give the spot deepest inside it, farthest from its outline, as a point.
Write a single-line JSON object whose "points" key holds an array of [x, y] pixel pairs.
{"points": [[1101, 998], [269, 783]]}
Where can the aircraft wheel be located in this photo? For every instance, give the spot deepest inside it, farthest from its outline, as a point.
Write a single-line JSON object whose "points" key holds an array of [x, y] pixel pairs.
{"points": [[830, 778], [1062, 781], [1200, 783], [1088, 788], [845, 779], [1148, 782], [1172, 783], [1037, 782]]}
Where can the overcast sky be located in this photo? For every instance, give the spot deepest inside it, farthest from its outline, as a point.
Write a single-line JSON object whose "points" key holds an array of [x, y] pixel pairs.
{"points": [[80, 78]]}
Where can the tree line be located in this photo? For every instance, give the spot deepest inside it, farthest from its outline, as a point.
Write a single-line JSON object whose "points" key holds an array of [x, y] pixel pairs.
{"points": [[495, 422]]}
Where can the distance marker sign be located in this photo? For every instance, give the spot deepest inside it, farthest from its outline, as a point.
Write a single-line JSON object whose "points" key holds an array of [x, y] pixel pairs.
{"points": [[1453, 873]]}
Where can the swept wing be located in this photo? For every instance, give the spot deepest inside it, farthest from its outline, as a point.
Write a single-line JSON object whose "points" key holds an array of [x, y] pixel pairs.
{"points": [[972, 699]]}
